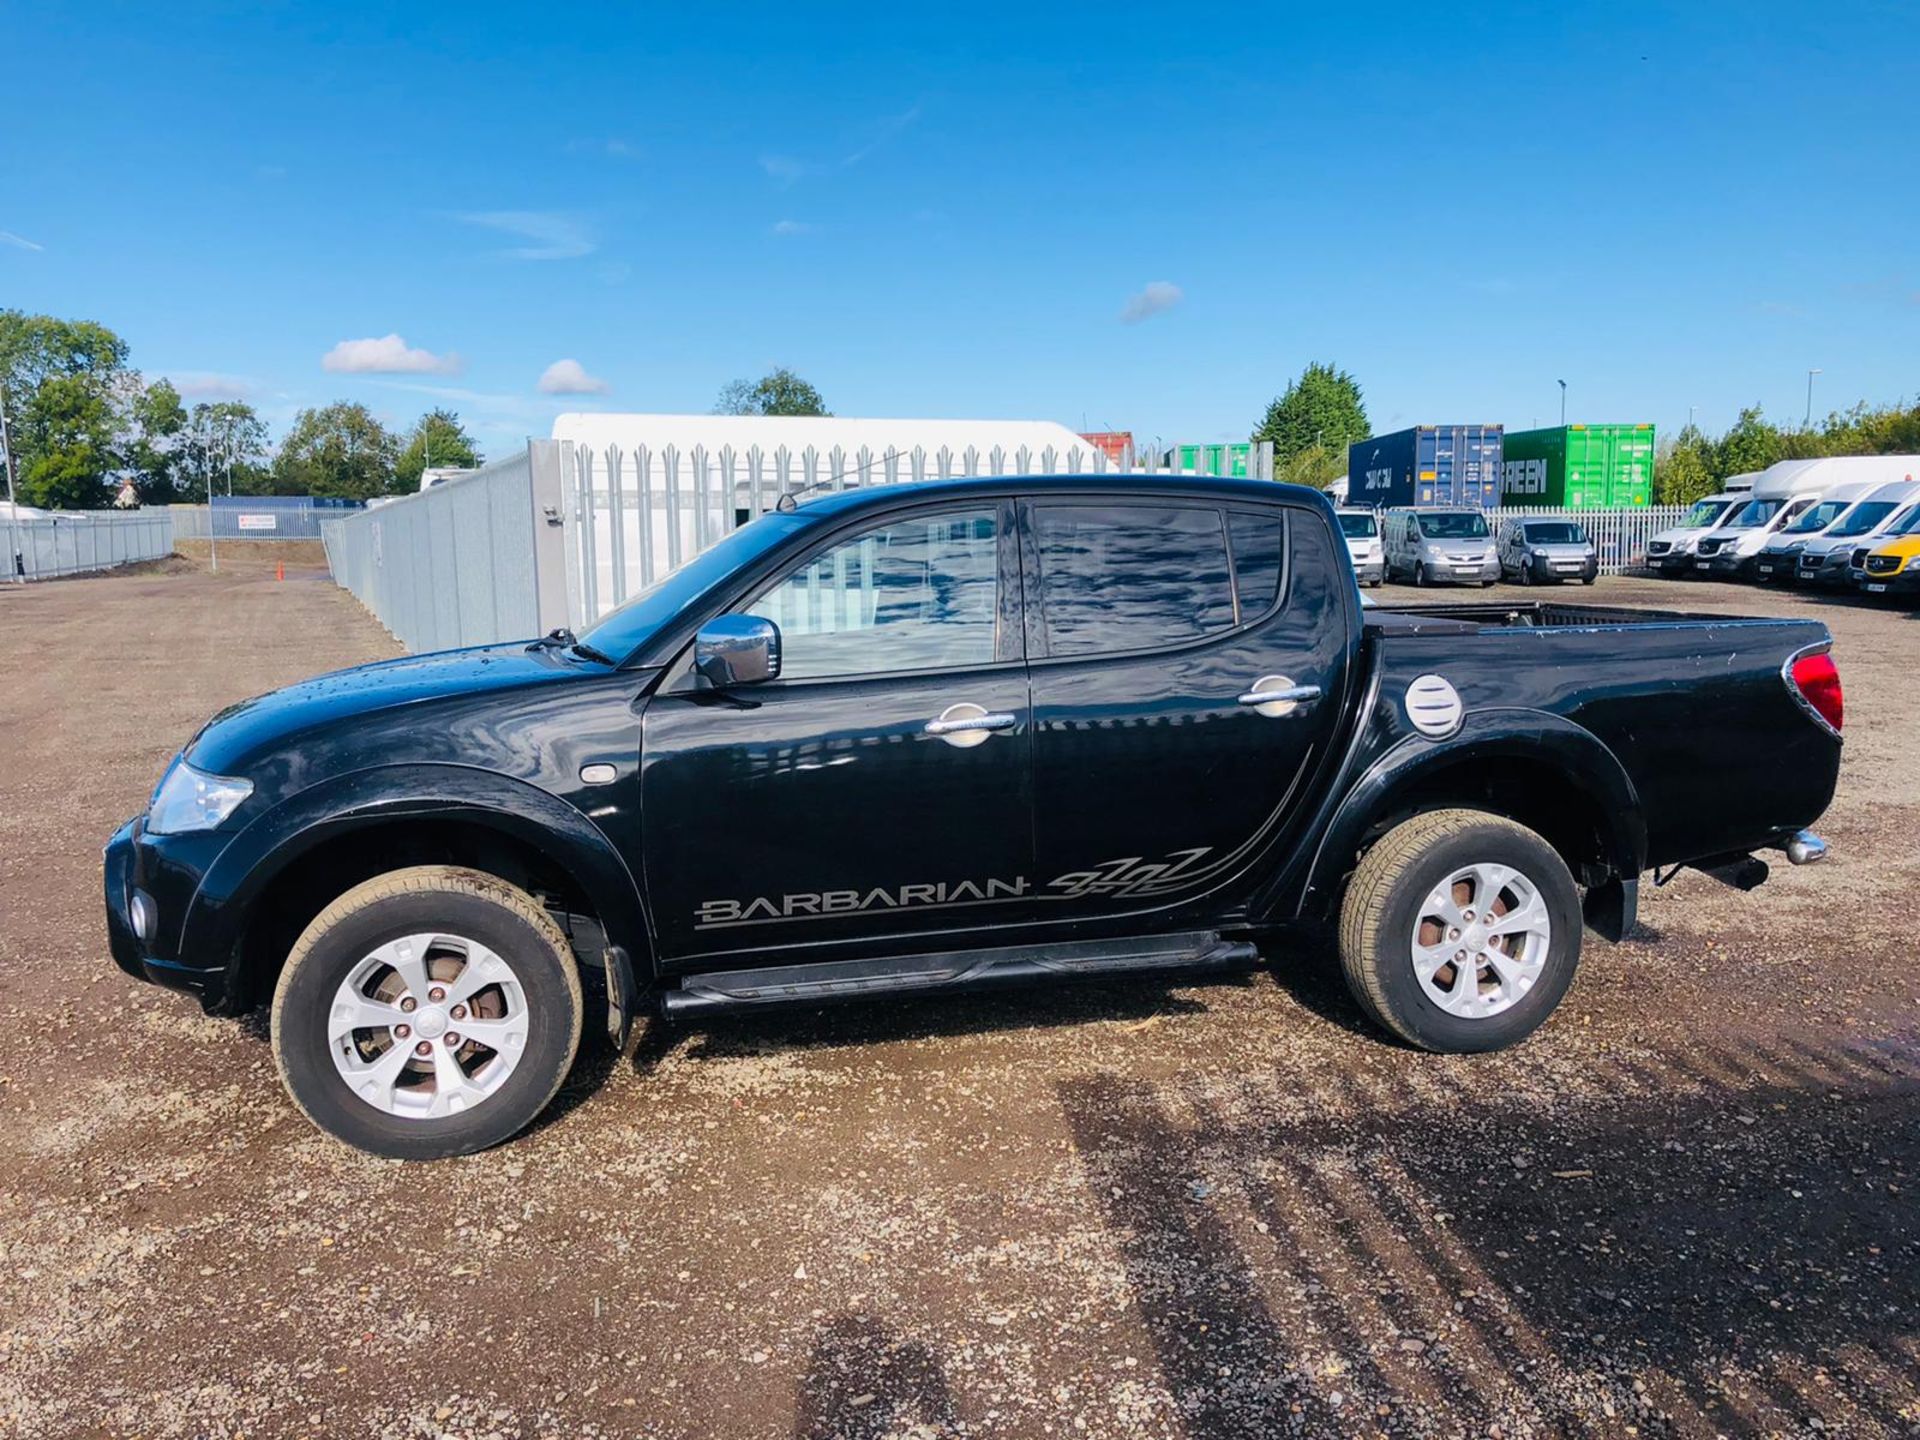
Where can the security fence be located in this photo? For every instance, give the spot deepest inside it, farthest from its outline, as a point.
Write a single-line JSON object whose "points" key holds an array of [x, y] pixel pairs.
{"points": [[1620, 536], [469, 562], [258, 517], [72, 542]]}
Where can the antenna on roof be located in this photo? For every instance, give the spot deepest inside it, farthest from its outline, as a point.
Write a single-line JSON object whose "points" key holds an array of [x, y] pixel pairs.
{"points": [[788, 500]]}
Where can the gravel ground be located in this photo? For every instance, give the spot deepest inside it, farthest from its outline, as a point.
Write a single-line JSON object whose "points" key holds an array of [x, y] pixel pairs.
{"points": [[1687, 1206]]}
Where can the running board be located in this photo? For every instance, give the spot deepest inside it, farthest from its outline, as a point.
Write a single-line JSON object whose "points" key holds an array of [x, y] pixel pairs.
{"points": [[957, 970]]}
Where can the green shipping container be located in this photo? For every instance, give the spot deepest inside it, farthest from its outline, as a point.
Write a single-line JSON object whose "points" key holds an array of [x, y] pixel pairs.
{"points": [[1579, 467], [1218, 459]]}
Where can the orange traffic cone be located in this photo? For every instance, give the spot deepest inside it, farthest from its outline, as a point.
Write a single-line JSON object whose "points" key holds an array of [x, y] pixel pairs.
{"points": [[280, 570]]}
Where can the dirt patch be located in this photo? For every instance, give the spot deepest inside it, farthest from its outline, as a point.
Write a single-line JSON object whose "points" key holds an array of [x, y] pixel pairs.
{"points": [[1687, 1206], [244, 555]]}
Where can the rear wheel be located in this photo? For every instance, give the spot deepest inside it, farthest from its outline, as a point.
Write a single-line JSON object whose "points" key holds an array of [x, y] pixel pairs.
{"points": [[429, 1012], [1460, 931]]}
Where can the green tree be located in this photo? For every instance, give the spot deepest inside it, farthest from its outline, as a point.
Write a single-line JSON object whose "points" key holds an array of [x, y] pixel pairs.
{"points": [[437, 439], [1753, 443], [1322, 410], [340, 450], [151, 448], [1683, 470], [778, 392], [63, 381], [225, 451], [1317, 465]]}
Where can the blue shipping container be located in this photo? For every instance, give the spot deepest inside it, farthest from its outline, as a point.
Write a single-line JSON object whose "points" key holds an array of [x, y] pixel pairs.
{"points": [[1427, 465]]}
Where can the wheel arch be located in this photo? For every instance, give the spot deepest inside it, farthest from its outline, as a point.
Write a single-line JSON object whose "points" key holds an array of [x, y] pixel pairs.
{"points": [[1535, 768], [295, 860]]}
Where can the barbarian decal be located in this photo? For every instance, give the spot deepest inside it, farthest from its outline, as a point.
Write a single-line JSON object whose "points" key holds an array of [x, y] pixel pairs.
{"points": [[1117, 878]]}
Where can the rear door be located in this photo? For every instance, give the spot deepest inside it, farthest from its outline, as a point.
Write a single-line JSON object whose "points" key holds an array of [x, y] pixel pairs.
{"points": [[1161, 782]]}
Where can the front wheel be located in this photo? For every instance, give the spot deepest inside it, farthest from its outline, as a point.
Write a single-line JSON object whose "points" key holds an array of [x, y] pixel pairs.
{"points": [[429, 1012], [1420, 573], [1460, 931]]}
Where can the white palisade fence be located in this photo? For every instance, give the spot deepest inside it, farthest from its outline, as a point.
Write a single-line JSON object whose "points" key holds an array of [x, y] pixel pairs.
{"points": [[635, 515]]}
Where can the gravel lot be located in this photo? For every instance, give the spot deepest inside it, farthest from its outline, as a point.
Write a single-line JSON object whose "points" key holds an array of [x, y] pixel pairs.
{"points": [[1688, 1206]]}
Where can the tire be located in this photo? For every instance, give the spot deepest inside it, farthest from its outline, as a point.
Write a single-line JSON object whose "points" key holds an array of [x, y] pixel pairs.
{"points": [[1526, 574], [1420, 573], [1382, 922], [1588, 579], [526, 995]]}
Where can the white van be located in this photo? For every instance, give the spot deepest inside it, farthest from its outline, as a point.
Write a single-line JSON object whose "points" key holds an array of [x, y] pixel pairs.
{"points": [[1670, 551], [1780, 495], [1824, 558], [1779, 558]]}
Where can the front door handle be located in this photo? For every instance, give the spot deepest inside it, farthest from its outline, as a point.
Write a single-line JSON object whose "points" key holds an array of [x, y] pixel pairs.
{"points": [[1277, 695], [966, 725]]}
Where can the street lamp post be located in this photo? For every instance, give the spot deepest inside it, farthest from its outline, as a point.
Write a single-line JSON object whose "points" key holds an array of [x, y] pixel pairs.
{"points": [[16, 565], [1807, 423], [1563, 402]]}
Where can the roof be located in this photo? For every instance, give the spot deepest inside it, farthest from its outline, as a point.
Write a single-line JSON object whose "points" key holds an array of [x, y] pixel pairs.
{"points": [[823, 433], [1217, 487], [1797, 477]]}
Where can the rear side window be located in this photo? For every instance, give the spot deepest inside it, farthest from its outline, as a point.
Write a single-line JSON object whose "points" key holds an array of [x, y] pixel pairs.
{"points": [[1131, 577], [1259, 555]]}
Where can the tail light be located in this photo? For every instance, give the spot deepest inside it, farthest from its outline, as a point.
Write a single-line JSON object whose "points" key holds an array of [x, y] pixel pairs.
{"points": [[1815, 679]]}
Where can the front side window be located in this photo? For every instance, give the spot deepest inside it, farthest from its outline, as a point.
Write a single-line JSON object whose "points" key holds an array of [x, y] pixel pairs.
{"points": [[1863, 518], [1453, 525], [920, 592], [1131, 577]]}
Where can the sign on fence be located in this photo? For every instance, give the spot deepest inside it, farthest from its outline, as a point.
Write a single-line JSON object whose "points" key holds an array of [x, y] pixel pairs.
{"points": [[258, 522]]}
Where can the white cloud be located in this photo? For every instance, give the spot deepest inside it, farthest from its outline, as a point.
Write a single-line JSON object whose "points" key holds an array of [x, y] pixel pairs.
{"points": [[1156, 296], [570, 377], [792, 227], [388, 355], [210, 385], [549, 234], [7, 237]]}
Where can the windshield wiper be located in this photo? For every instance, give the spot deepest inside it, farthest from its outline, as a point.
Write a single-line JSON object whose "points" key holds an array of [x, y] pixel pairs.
{"points": [[561, 638]]}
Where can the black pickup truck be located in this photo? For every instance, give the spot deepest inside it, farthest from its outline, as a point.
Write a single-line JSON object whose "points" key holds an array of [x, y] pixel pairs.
{"points": [[933, 737]]}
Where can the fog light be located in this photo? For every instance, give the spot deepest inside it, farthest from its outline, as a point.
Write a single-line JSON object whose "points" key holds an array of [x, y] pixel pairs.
{"points": [[141, 912]]}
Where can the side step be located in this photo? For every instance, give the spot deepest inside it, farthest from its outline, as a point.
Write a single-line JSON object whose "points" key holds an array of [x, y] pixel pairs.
{"points": [[956, 970]]}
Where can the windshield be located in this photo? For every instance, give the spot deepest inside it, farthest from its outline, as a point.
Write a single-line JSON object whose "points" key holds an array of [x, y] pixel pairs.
{"points": [[625, 630], [1452, 525], [1908, 523], [1358, 527], [1555, 532], [1754, 512], [1703, 514], [1864, 517], [1818, 518]]}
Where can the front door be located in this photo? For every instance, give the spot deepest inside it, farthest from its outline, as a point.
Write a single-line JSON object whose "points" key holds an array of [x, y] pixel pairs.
{"points": [[880, 788], [1161, 784]]}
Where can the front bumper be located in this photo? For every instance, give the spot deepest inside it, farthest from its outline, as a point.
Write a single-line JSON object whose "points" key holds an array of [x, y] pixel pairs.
{"points": [[1449, 572], [161, 875], [1777, 567], [1546, 568], [1370, 572], [1905, 581], [1828, 569], [1726, 565]]}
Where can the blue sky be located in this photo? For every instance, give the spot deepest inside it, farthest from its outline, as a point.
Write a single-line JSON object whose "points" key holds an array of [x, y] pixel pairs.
{"points": [[1143, 217]]}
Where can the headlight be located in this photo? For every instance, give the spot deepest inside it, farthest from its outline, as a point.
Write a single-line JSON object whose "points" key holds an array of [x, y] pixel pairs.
{"points": [[188, 799]]}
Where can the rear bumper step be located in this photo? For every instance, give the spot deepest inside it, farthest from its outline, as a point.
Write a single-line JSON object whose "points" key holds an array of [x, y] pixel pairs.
{"points": [[961, 970]]}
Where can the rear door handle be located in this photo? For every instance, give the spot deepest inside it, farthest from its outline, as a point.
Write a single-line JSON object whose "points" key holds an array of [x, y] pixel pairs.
{"points": [[1277, 695]]}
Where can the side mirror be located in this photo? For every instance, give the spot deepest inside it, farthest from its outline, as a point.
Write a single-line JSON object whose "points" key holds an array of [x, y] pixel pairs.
{"points": [[737, 650]]}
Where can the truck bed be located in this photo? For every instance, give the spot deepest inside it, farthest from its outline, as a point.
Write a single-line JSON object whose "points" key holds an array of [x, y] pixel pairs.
{"points": [[1529, 615]]}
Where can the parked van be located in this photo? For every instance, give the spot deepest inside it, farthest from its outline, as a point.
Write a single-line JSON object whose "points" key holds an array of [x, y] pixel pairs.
{"points": [[1440, 545], [1538, 551], [1779, 559], [1362, 531], [1903, 522], [1781, 494], [1670, 551], [1823, 558]]}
